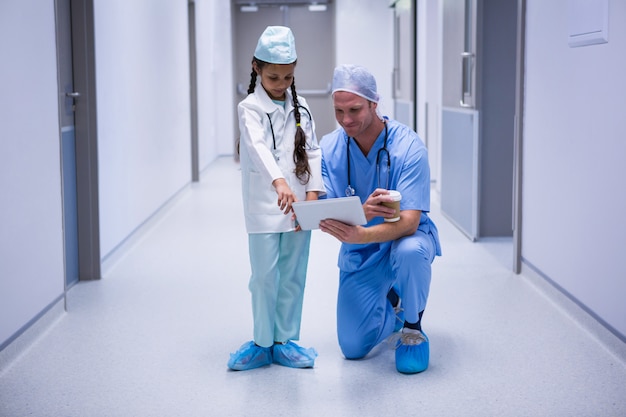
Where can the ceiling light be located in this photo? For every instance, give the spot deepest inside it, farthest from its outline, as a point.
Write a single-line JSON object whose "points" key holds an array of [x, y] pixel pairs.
{"points": [[317, 7]]}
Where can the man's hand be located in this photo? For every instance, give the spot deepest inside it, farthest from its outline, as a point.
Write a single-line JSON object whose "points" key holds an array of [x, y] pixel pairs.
{"points": [[373, 207], [384, 232], [344, 232]]}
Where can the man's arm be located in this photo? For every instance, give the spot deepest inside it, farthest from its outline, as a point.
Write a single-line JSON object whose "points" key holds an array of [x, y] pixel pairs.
{"points": [[384, 232]]}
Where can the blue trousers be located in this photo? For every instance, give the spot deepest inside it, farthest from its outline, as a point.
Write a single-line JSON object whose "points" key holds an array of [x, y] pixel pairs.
{"points": [[364, 315], [279, 264]]}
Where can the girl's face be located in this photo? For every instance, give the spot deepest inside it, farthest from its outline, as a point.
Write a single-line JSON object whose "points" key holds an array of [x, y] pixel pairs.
{"points": [[276, 78]]}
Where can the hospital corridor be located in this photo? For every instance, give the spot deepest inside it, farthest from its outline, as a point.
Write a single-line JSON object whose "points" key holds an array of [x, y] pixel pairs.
{"points": [[152, 338], [131, 127]]}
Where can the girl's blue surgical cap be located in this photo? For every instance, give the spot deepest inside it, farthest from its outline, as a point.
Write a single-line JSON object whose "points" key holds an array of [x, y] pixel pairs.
{"points": [[276, 46], [355, 79]]}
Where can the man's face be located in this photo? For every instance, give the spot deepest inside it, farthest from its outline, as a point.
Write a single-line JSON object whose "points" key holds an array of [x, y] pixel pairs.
{"points": [[353, 113]]}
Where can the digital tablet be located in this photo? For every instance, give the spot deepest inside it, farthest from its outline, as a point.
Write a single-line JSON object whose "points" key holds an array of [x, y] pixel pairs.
{"points": [[345, 209]]}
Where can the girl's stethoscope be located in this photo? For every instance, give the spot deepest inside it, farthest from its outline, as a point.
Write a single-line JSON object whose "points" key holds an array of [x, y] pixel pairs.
{"points": [[350, 191], [274, 136]]}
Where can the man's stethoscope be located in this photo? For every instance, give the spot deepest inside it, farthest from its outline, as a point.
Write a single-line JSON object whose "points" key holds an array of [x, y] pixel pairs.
{"points": [[350, 191]]}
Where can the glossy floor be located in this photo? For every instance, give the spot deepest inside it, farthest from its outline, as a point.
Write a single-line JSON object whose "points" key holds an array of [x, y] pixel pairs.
{"points": [[153, 337]]}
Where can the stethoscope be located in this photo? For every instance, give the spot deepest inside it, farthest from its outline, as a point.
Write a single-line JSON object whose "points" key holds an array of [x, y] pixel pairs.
{"points": [[276, 156], [350, 191]]}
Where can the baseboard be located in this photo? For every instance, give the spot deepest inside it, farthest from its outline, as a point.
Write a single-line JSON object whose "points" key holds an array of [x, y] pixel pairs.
{"points": [[31, 332], [601, 331]]}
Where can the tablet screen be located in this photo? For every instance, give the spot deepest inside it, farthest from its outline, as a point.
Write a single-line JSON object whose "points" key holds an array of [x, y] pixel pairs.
{"points": [[345, 209]]}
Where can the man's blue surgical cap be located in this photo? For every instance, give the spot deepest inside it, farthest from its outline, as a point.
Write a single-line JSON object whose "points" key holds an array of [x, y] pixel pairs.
{"points": [[355, 79], [276, 46]]}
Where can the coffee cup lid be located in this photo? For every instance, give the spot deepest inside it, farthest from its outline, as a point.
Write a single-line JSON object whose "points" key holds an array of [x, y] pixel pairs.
{"points": [[395, 195]]}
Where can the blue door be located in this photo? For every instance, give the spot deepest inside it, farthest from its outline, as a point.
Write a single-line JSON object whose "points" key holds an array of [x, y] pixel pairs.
{"points": [[67, 96]]}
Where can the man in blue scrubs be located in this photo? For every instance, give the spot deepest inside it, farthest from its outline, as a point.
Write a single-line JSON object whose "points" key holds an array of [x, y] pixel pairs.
{"points": [[385, 266]]}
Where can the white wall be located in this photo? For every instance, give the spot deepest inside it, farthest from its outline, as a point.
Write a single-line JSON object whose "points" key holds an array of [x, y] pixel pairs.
{"points": [[364, 33], [573, 159], [142, 81], [215, 80], [31, 234], [429, 73], [143, 131]]}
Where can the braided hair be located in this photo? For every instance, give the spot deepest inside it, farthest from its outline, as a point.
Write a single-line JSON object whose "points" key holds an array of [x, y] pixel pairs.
{"points": [[300, 157]]}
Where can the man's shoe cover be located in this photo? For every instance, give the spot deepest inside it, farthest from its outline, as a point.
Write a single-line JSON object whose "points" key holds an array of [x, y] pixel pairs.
{"points": [[412, 352]]}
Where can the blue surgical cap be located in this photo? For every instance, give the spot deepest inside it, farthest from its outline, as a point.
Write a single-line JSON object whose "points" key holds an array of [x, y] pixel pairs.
{"points": [[276, 46], [355, 79]]}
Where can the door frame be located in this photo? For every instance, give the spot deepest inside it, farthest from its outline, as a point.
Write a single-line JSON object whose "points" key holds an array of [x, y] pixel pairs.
{"points": [[508, 222], [85, 121], [518, 136], [193, 90], [405, 97]]}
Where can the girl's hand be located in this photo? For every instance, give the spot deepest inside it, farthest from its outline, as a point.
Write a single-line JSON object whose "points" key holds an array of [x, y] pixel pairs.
{"points": [[285, 196], [310, 196], [294, 219]]}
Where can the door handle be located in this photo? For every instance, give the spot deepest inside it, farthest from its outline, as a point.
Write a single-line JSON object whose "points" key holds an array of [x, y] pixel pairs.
{"points": [[73, 94], [466, 78]]}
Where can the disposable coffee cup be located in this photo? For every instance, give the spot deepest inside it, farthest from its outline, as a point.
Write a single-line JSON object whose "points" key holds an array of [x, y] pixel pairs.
{"points": [[395, 204]]}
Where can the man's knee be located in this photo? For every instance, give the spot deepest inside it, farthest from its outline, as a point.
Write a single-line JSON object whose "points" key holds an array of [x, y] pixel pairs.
{"points": [[353, 349], [355, 345], [414, 248]]}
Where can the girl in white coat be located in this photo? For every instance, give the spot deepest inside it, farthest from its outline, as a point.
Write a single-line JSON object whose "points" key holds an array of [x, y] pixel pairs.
{"points": [[280, 163]]}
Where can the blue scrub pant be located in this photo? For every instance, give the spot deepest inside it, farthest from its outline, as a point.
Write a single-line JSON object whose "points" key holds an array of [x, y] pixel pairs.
{"points": [[364, 315], [279, 264]]}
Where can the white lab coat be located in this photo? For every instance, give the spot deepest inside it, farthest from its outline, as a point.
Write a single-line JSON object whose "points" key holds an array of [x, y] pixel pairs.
{"points": [[261, 164]]}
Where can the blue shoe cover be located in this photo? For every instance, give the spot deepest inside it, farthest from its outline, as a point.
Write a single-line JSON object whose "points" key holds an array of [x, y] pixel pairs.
{"points": [[291, 355], [412, 352], [250, 356]]}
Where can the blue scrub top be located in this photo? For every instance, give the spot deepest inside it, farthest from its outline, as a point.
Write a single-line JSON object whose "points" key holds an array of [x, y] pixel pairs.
{"points": [[409, 173]]}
